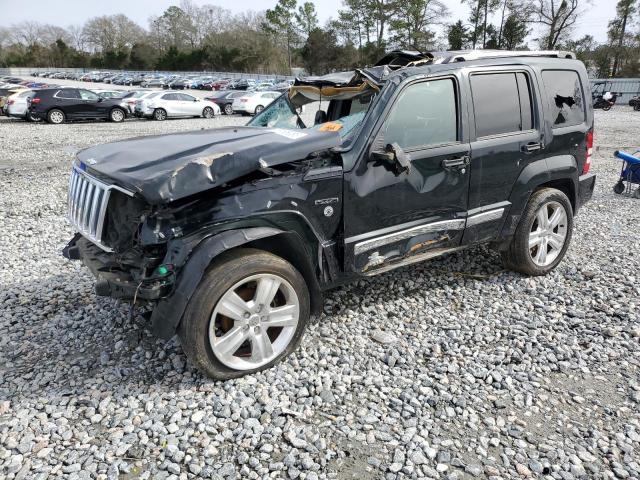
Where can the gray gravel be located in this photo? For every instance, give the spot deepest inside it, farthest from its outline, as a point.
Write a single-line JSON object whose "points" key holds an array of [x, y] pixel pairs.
{"points": [[449, 369]]}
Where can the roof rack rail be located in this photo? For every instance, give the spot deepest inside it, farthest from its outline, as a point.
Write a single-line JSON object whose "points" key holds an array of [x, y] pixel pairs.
{"points": [[468, 55]]}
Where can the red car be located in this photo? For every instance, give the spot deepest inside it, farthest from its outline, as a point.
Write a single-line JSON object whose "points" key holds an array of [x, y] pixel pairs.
{"points": [[220, 84]]}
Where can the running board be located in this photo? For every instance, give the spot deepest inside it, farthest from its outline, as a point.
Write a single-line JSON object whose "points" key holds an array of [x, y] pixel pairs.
{"points": [[413, 259]]}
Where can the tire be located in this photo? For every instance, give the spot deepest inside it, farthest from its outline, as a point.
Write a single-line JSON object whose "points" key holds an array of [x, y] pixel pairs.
{"points": [[228, 109], [208, 112], [160, 114], [56, 116], [606, 107], [618, 188], [117, 115], [31, 118], [203, 326], [259, 108], [636, 107], [531, 252]]}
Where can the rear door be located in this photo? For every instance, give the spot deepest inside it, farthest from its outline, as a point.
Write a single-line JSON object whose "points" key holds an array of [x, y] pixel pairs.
{"points": [[68, 100], [92, 105], [506, 137]]}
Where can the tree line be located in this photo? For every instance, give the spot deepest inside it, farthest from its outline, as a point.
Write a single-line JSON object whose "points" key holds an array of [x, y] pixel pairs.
{"points": [[208, 37]]}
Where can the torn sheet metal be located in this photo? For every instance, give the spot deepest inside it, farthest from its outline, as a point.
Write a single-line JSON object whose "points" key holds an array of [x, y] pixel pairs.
{"points": [[182, 164]]}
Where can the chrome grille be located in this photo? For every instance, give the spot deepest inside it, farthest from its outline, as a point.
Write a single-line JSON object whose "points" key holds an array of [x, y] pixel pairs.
{"points": [[87, 203]]}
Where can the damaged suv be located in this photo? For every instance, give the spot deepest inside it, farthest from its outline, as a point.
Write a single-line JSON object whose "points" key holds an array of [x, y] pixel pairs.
{"points": [[231, 235]]}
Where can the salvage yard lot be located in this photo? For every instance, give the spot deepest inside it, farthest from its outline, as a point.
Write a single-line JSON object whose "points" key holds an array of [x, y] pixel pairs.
{"points": [[492, 374]]}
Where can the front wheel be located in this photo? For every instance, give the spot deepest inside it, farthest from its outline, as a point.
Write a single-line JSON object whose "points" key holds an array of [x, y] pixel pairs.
{"points": [[250, 310], [208, 112], [543, 234], [117, 115]]}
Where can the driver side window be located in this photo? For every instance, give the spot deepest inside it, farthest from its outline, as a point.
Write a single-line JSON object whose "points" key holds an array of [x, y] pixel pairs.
{"points": [[424, 114]]}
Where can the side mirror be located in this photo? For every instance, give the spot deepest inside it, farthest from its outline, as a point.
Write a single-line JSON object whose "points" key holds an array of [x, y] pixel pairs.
{"points": [[394, 155], [100, 99]]}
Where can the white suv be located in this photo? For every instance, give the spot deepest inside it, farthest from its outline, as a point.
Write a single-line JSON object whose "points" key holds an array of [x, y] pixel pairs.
{"points": [[175, 104]]}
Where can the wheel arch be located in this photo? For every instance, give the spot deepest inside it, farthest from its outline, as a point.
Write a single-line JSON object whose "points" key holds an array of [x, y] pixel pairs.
{"points": [[559, 172], [168, 313]]}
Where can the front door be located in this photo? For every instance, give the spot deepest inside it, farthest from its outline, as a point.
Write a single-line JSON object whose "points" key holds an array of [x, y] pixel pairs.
{"points": [[92, 106], [394, 216]]}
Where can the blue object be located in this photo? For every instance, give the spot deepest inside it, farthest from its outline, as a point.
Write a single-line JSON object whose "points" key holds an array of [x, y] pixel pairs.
{"points": [[627, 157], [630, 168]]}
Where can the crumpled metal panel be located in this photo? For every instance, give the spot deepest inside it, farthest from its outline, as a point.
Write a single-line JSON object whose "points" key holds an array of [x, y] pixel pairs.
{"points": [[165, 168]]}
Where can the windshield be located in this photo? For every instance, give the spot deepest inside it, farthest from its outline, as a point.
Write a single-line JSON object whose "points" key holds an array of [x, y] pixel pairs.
{"points": [[342, 116]]}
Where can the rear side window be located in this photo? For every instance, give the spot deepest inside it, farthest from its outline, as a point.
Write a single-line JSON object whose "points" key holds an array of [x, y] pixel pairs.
{"points": [[424, 114], [565, 97], [502, 103]]}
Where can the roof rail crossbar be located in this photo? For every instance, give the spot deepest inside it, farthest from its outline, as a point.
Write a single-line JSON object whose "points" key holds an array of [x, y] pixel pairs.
{"points": [[465, 56]]}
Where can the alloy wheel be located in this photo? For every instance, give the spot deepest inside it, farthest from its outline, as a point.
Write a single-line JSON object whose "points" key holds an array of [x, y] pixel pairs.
{"points": [[228, 109], [254, 321], [56, 116], [548, 234], [208, 112], [117, 115]]}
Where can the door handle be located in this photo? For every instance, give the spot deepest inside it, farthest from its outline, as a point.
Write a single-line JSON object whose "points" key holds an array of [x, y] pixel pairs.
{"points": [[456, 162], [532, 147]]}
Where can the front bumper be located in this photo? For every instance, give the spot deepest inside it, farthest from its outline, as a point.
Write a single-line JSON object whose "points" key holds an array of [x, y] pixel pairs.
{"points": [[586, 184], [117, 277]]}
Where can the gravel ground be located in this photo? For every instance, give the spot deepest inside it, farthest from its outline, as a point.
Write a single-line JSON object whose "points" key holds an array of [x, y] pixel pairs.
{"points": [[487, 374]]}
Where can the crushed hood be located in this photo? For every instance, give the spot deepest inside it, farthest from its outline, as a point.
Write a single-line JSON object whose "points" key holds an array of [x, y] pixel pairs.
{"points": [[165, 168]]}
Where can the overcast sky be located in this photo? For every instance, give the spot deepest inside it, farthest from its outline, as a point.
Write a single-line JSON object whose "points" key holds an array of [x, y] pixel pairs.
{"points": [[65, 12]]}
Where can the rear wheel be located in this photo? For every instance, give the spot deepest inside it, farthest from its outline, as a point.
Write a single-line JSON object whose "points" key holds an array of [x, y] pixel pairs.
{"points": [[117, 115], [543, 234], [228, 109], [160, 114], [250, 310], [56, 116], [208, 112]]}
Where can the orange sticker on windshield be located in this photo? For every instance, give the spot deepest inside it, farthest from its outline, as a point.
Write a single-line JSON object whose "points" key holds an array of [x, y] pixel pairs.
{"points": [[330, 127]]}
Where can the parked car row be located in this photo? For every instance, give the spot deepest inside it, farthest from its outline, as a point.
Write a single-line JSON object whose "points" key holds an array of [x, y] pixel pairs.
{"points": [[58, 103], [171, 81]]}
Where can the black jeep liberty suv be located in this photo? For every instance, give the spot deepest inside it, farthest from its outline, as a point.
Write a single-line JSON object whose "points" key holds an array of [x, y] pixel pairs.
{"points": [[231, 235]]}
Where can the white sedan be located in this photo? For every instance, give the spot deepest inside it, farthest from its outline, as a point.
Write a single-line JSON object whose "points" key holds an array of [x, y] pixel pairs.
{"points": [[17, 105], [175, 104], [254, 102]]}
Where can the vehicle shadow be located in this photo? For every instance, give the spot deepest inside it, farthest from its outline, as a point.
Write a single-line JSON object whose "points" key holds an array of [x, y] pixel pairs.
{"points": [[65, 341]]}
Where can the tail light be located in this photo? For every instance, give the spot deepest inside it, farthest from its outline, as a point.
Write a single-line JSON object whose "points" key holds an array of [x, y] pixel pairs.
{"points": [[35, 101], [587, 160], [10, 102]]}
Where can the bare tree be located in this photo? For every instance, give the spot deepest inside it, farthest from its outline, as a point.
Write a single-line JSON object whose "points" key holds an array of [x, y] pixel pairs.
{"points": [[76, 35], [27, 33], [557, 18]]}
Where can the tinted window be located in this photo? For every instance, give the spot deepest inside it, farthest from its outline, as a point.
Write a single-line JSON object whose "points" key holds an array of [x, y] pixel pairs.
{"points": [[424, 114], [496, 103], [68, 93], [185, 97], [564, 94], [170, 96]]}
